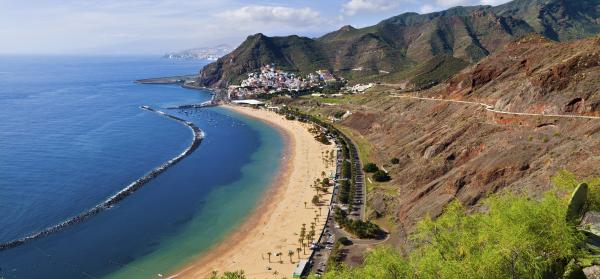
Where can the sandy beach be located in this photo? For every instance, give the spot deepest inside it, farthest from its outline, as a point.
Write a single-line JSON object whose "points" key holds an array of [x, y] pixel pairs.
{"points": [[275, 224]]}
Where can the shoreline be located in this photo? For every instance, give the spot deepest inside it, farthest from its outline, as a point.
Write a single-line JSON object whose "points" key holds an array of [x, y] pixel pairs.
{"points": [[246, 246], [198, 136]]}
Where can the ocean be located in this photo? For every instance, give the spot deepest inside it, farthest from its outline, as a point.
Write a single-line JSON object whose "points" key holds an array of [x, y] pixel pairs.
{"points": [[72, 134]]}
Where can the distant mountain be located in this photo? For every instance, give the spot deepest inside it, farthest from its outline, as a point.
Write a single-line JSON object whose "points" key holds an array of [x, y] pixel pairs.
{"points": [[444, 42], [205, 53]]}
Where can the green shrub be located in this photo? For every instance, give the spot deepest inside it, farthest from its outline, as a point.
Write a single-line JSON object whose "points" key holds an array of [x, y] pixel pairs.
{"points": [[345, 241], [514, 237], [577, 203], [370, 167], [395, 161], [381, 176]]}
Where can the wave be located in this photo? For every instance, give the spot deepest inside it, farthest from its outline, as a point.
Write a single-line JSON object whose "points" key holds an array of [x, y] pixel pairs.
{"points": [[119, 196]]}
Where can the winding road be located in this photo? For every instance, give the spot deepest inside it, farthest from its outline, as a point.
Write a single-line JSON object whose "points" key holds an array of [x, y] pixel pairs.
{"points": [[491, 108]]}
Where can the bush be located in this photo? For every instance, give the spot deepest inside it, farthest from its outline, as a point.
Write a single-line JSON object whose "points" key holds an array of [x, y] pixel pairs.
{"points": [[381, 176], [345, 241], [370, 167], [290, 117], [516, 237], [228, 275], [395, 161]]}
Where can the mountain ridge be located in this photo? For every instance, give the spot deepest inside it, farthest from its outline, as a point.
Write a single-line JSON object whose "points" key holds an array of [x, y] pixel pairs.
{"points": [[402, 42]]}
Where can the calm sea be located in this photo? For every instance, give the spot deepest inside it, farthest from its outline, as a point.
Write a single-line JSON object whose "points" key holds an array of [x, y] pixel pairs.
{"points": [[72, 134]]}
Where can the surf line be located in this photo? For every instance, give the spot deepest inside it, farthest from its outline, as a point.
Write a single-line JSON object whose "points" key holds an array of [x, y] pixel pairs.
{"points": [[119, 196]]}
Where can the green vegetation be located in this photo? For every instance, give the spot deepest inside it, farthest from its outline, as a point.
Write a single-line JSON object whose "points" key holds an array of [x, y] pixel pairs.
{"points": [[370, 167], [577, 203], [336, 257], [513, 237], [437, 69], [345, 241], [228, 275], [395, 161], [381, 176], [357, 227]]}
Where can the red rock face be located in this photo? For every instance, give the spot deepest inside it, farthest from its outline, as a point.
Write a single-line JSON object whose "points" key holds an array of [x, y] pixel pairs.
{"points": [[453, 151]]}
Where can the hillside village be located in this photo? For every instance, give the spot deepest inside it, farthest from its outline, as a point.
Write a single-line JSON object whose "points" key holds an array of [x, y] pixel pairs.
{"points": [[270, 81]]}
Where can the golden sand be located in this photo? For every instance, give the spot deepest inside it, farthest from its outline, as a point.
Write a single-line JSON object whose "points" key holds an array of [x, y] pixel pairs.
{"points": [[275, 224]]}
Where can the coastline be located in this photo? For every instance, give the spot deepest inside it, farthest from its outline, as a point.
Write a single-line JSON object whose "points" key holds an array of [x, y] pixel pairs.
{"points": [[274, 224]]}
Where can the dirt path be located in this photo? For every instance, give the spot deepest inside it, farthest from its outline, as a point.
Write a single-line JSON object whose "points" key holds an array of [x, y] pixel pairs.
{"points": [[491, 108]]}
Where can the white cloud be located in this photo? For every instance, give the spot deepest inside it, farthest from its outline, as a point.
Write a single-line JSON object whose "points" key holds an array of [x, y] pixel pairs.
{"points": [[355, 6], [452, 3], [493, 2], [427, 8], [273, 15]]}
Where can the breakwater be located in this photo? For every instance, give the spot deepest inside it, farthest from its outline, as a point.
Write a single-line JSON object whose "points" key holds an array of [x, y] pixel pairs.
{"points": [[119, 196]]}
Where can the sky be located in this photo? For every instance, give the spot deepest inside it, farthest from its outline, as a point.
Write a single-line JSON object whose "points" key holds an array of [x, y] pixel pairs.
{"points": [[159, 26]]}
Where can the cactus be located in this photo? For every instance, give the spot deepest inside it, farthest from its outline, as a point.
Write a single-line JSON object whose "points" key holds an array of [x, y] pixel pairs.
{"points": [[577, 203]]}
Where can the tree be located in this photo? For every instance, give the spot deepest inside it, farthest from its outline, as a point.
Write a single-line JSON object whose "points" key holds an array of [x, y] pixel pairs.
{"points": [[269, 254], [395, 161], [315, 200], [291, 253], [370, 167], [298, 250], [381, 176], [305, 204]]}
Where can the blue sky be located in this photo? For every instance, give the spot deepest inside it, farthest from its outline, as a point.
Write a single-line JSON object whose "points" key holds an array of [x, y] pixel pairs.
{"points": [[154, 27]]}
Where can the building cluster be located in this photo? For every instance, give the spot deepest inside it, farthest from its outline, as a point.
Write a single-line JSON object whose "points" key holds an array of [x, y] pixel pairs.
{"points": [[359, 88], [270, 80]]}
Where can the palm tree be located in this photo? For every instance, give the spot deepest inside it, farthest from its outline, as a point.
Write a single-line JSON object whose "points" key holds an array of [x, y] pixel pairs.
{"points": [[269, 253], [298, 252], [323, 173], [320, 210], [280, 254], [304, 204], [291, 253]]}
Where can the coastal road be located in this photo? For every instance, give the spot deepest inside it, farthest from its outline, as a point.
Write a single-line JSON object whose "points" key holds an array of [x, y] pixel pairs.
{"points": [[360, 199], [492, 109]]}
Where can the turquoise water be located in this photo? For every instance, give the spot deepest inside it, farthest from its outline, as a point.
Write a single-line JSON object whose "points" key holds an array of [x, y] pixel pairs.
{"points": [[72, 134]]}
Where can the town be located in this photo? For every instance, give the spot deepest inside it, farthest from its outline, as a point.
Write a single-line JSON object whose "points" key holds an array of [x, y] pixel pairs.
{"points": [[271, 81]]}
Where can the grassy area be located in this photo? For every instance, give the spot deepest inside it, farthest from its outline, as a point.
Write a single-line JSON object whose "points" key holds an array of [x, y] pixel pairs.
{"points": [[331, 100], [362, 144]]}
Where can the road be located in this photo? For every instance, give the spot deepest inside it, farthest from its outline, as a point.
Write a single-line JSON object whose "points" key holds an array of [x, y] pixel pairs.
{"points": [[492, 109]]}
